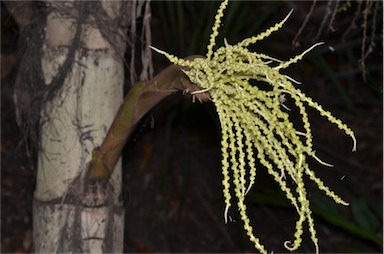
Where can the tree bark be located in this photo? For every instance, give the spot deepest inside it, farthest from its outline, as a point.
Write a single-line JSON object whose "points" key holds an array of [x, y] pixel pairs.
{"points": [[82, 68]]}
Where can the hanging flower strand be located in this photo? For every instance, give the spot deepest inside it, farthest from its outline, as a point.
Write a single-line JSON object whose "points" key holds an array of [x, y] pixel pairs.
{"points": [[255, 124]]}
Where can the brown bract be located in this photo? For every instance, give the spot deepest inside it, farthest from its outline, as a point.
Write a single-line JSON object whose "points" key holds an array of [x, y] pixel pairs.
{"points": [[141, 98]]}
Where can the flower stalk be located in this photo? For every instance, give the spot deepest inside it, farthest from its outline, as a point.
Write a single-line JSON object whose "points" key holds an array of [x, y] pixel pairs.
{"points": [[138, 101]]}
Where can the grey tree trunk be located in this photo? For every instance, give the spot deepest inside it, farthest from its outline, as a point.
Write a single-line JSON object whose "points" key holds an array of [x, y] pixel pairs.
{"points": [[72, 75], [67, 216]]}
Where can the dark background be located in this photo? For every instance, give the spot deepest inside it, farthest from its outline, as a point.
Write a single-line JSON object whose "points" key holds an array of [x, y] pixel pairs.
{"points": [[172, 168]]}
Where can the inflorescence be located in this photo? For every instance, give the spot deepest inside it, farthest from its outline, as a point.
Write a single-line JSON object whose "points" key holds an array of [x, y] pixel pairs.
{"points": [[255, 124]]}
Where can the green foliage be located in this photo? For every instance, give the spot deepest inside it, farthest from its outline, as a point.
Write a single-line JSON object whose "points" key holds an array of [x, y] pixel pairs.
{"points": [[365, 222], [249, 92]]}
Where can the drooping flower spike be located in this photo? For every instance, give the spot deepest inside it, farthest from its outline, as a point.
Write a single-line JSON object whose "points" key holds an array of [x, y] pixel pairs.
{"points": [[255, 124]]}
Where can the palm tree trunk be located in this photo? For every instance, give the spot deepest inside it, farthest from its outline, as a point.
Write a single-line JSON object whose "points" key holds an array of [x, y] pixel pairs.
{"points": [[80, 90]]}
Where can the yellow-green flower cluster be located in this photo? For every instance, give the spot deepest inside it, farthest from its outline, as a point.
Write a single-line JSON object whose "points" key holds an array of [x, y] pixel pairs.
{"points": [[248, 91]]}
